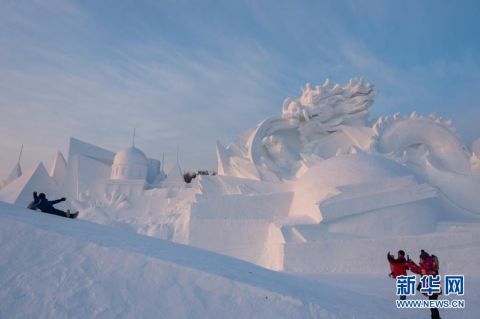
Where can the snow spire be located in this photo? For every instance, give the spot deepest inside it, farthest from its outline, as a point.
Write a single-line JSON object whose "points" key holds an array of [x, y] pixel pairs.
{"points": [[20, 155], [133, 138], [58, 170], [222, 158], [175, 175], [178, 151], [162, 168], [16, 172]]}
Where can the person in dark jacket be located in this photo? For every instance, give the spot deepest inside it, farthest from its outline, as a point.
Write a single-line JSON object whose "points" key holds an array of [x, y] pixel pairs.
{"points": [[42, 203], [398, 266], [33, 204]]}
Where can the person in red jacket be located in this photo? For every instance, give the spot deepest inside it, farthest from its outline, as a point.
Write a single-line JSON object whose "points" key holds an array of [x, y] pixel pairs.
{"points": [[428, 265], [398, 266]]}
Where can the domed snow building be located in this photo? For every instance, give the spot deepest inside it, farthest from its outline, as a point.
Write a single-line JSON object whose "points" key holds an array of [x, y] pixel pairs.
{"points": [[130, 164], [132, 172], [129, 172]]}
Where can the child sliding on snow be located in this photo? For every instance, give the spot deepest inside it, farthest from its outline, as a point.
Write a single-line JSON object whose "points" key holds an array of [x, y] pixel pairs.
{"points": [[41, 202]]}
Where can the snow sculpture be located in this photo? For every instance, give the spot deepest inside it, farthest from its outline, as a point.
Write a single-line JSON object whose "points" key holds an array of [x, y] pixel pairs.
{"points": [[359, 185], [59, 169], [317, 184], [399, 134], [88, 167], [431, 147], [476, 147], [129, 164], [20, 191], [331, 120], [354, 183], [15, 173], [331, 105], [97, 171], [475, 159], [154, 170], [131, 170], [322, 122], [174, 177]]}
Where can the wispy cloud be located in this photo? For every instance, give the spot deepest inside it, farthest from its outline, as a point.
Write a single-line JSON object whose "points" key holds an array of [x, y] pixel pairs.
{"points": [[172, 96], [189, 77]]}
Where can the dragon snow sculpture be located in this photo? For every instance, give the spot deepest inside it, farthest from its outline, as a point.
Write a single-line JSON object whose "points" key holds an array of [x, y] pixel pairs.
{"points": [[330, 120], [279, 146]]}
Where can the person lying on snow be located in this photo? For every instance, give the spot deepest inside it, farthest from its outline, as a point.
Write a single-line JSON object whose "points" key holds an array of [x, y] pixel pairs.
{"points": [[41, 202], [398, 266], [428, 265]]}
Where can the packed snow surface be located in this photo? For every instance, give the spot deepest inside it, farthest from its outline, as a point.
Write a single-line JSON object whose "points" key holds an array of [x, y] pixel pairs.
{"points": [[52, 267]]}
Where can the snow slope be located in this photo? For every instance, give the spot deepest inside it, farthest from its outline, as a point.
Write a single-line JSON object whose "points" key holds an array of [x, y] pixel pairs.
{"points": [[52, 267]]}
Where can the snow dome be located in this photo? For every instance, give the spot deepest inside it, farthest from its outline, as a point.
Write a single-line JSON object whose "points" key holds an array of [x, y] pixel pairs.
{"points": [[130, 163]]}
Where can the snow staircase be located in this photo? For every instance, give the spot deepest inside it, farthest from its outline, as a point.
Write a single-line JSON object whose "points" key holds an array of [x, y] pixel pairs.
{"points": [[364, 197], [270, 206], [240, 222], [341, 230]]}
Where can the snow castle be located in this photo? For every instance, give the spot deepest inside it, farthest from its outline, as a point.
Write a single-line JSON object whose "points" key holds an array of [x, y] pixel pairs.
{"points": [[129, 172], [129, 164], [319, 188]]}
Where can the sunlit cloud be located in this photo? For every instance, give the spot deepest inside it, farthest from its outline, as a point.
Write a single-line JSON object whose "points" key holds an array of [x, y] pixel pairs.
{"points": [[190, 77]]}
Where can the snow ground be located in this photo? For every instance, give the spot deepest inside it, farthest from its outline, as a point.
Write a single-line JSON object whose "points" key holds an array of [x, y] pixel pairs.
{"points": [[383, 288], [53, 267]]}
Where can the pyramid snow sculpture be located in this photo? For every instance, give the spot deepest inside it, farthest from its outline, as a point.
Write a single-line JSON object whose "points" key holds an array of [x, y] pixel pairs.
{"points": [[19, 192], [14, 174], [59, 169]]}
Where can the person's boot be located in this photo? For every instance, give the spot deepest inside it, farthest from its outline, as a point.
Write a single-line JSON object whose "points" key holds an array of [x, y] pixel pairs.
{"points": [[68, 213], [435, 314]]}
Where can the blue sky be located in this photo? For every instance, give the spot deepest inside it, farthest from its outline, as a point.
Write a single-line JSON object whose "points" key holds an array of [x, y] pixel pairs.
{"points": [[190, 72]]}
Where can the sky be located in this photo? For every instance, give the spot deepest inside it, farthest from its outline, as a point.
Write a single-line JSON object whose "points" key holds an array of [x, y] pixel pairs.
{"points": [[188, 73]]}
